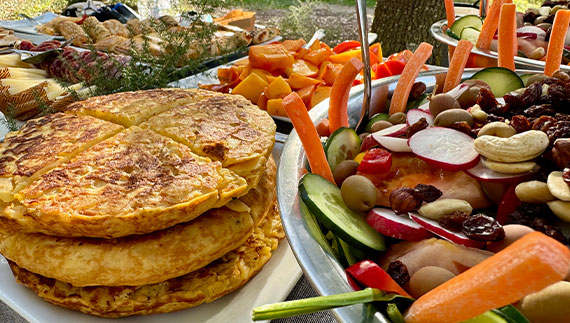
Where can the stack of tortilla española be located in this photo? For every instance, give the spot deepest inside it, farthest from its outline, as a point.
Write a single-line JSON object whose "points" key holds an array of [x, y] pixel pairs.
{"points": [[140, 202]]}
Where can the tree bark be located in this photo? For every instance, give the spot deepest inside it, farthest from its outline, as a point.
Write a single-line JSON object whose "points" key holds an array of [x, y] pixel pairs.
{"points": [[404, 24]]}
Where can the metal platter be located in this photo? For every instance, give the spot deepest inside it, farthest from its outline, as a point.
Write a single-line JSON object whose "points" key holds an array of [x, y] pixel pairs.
{"points": [[522, 62], [324, 272]]}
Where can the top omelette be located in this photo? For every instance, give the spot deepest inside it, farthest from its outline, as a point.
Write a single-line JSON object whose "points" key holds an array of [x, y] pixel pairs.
{"points": [[147, 178]]}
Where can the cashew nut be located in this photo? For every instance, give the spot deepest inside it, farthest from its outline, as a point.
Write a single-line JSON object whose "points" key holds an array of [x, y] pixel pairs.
{"points": [[435, 210], [518, 148], [561, 209], [558, 187], [548, 305], [498, 129], [478, 114], [509, 168], [533, 192]]}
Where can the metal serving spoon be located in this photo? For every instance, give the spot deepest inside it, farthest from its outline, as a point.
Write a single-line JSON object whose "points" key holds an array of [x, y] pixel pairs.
{"points": [[363, 31]]}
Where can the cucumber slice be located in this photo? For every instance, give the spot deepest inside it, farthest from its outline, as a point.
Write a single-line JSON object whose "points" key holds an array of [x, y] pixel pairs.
{"points": [[471, 34], [351, 255], [521, 54], [511, 314], [472, 21], [314, 229], [376, 117], [501, 80], [417, 102], [343, 144], [451, 34], [325, 201]]}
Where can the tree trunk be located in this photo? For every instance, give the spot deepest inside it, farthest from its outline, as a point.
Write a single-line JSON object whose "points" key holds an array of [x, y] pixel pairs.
{"points": [[404, 24]]}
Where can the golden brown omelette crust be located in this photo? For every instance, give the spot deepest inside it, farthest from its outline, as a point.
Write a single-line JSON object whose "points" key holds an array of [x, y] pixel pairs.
{"points": [[144, 259], [217, 279], [135, 182], [132, 108], [43, 143]]}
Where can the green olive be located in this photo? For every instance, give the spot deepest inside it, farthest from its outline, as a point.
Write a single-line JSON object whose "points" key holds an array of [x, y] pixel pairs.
{"points": [[441, 102], [428, 278], [448, 117], [358, 193], [536, 78], [469, 97], [397, 118], [344, 169], [381, 124]]}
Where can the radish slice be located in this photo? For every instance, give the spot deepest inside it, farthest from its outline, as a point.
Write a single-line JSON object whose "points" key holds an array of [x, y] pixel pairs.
{"points": [[393, 131], [444, 148], [435, 228], [414, 115], [368, 142], [399, 145], [540, 33], [481, 173], [424, 107], [527, 35], [396, 226]]}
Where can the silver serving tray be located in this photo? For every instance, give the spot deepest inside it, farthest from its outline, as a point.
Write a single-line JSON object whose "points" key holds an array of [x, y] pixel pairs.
{"points": [[522, 62], [323, 271]]}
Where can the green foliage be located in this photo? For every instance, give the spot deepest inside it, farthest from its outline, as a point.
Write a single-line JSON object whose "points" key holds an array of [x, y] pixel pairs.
{"points": [[9, 9]]}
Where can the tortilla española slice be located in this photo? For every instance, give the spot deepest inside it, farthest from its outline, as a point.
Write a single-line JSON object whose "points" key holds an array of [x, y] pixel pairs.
{"points": [[143, 259], [42, 144], [135, 182], [205, 285], [224, 128], [132, 108]]}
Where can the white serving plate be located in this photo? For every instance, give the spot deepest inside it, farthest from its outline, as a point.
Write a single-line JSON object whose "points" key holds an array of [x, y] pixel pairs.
{"points": [[272, 284]]}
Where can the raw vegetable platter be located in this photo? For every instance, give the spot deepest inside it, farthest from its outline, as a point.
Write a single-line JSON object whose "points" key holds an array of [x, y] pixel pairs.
{"points": [[440, 35], [312, 249]]}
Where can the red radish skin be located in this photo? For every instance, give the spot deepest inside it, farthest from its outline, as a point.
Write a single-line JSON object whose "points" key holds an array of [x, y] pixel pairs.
{"points": [[393, 131], [396, 226], [414, 115], [368, 143], [424, 107], [507, 204], [481, 173], [527, 31], [399, 145], [445, 148], [449, 235]]}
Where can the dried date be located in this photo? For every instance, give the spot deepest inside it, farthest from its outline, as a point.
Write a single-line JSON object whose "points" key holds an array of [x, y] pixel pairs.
{"points": [[540, 110], [427, 193], [417, 126], [520, 123], [483, 228], [418, 89], [454, 221], [462, 126], [399, 272], [543, 123]]}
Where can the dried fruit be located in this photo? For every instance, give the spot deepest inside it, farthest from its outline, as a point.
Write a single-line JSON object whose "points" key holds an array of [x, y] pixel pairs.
{"points": [[536, 111], [418, 89], [560, 129], [483, 228], [403, 200], [462, 126], [486, 100], [427, 193], [560, 153], [520, 123], [454, 221], [418, 126], [532, 94], [543, 123], [399, 272]]}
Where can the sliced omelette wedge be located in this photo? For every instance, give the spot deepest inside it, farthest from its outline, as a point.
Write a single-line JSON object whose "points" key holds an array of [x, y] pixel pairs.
{"points": [[132, 183], [132, 108], [223, 128], [44, 143]]}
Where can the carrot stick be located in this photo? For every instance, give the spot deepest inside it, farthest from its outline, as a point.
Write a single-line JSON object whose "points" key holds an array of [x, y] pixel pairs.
{"points": [[490, 24], [297, 112], [457, 65], [556, 43], [408, 77], [338, 104], [507, 28], [449, 12], [526, 266]]}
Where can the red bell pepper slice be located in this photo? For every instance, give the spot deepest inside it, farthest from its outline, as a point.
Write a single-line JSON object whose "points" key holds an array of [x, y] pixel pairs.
{"points": [[395, 67], [376, 160], [370, 274], [381, 70], [346, 45]]}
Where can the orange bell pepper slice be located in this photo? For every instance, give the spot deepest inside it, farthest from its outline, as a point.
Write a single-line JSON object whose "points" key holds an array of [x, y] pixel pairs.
{"points": [[346, 45], [338, 104], [270, 57]]}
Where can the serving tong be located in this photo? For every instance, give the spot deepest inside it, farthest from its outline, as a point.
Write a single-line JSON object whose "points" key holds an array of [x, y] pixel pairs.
{"points": [[365, 50]]}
